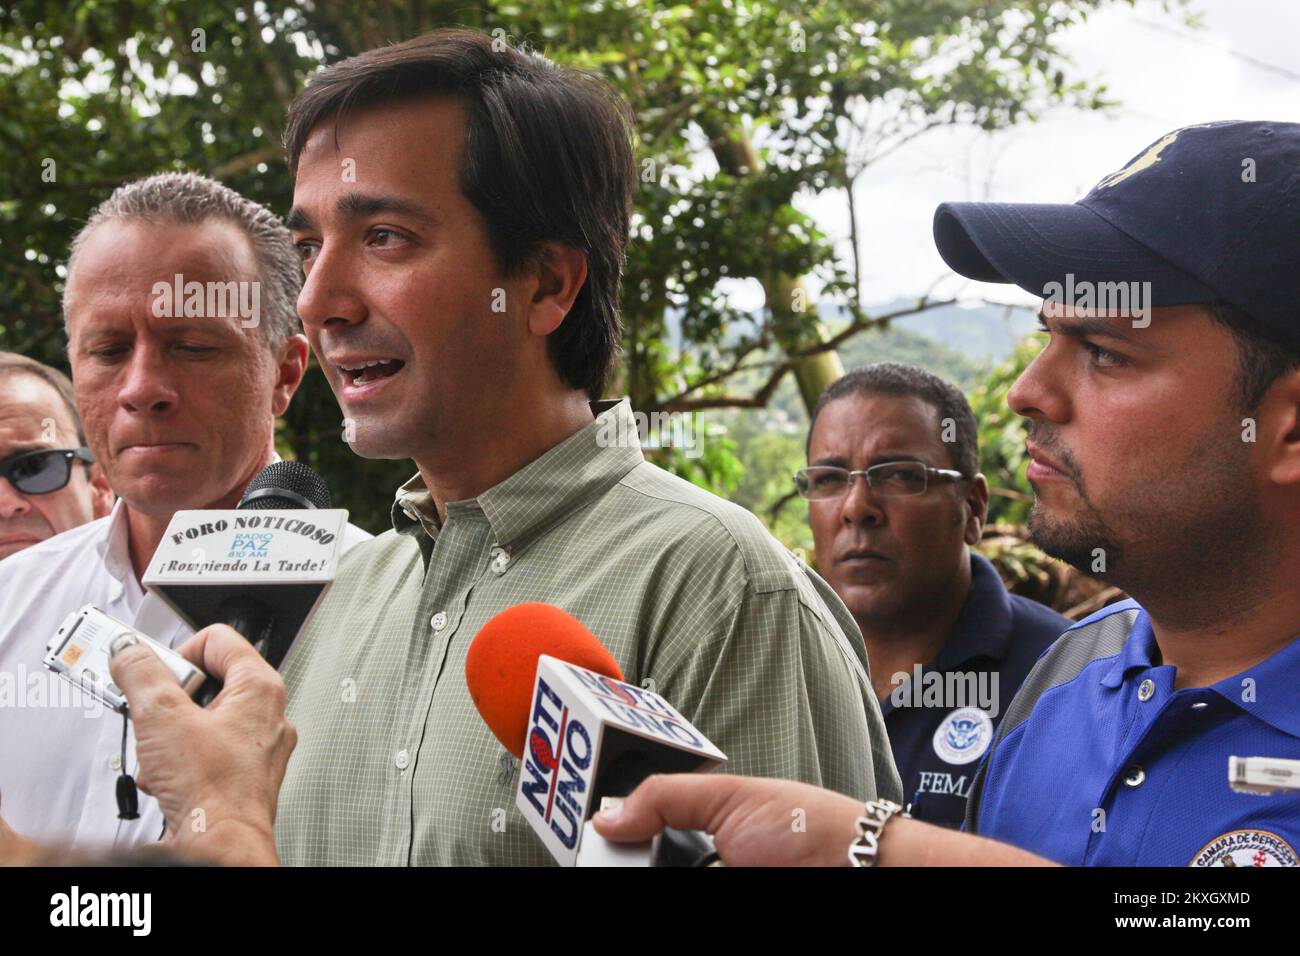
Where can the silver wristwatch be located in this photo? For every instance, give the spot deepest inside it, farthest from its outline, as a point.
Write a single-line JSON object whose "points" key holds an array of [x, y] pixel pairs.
{"points": [[863, 850]]}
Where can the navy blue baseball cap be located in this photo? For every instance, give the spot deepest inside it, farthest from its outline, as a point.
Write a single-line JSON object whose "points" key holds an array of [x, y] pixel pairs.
{"points": [[1206, 213]]}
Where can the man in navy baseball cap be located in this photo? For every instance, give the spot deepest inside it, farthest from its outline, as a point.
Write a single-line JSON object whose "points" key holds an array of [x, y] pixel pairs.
{"points": [[1165, 443], [1164, 432], [1205, 214]]}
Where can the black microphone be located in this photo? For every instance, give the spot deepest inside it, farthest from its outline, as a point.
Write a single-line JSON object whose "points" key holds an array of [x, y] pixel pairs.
{"points": [[288, 485], [283, 485], [619, 776]]}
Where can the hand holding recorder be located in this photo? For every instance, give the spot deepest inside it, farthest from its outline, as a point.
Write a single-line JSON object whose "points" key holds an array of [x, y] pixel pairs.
{"points": [[215, 771]]}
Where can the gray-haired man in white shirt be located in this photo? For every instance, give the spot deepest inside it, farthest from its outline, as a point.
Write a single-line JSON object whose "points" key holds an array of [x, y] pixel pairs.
{"points": [[179, 403]]}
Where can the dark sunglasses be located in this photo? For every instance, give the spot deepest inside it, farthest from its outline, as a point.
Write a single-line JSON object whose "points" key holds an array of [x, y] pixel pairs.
{"points": [[44, 471]]}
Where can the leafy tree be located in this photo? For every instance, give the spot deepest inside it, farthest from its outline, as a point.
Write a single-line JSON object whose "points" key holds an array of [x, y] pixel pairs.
{"points": [[741, 108], [1002, 436]]}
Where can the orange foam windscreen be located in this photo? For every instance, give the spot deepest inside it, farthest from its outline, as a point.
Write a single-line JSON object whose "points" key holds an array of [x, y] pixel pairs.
{"points": [[501, 666]]}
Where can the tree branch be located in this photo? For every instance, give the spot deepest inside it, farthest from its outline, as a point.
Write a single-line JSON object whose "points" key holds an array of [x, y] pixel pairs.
{"points": [[237, 165], [760, 398]]}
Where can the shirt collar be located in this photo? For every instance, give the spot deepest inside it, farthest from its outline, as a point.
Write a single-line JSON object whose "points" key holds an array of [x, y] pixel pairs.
{"points": [[114, 547], [1278, 710], [412, 506], [983, 628], [1139, 652], [1271, 706], [574, 471]]}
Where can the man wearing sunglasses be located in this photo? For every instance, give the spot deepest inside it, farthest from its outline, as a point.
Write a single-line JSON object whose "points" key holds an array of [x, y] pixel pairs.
{"points": [[48, 480], [896, 501], [179, 407]]}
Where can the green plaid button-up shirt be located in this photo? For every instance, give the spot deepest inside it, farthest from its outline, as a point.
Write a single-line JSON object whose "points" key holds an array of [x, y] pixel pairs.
{"points": [[394, 766]]}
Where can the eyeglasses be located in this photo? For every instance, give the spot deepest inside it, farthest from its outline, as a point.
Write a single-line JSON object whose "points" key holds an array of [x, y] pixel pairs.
{"points": [[44, 471], [893, 479]]}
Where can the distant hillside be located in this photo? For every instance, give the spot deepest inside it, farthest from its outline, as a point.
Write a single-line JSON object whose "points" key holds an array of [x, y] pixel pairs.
{"points": [[902, 344], [960, 343], [984, 334]]}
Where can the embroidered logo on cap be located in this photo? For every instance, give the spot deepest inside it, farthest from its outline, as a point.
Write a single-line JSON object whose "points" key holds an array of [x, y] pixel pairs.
{"points": [[1146, 160]]}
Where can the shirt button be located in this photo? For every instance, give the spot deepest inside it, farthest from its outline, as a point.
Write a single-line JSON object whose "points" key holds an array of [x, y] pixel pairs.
{"points": [[1134, 776], [402, 759], [1200, 705], [439, 620], [115, 762], [500, 560], [1146, 690]]}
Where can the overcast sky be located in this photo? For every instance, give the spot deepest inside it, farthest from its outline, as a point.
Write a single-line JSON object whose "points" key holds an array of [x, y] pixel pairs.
{"points": [[1164, 75]]}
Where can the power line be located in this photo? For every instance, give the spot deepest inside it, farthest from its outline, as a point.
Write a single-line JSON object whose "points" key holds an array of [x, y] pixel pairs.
{"points": [[1281, 71]]}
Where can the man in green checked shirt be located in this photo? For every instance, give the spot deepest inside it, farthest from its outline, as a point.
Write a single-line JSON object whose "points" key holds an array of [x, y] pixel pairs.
{"points": [[462, 209]]}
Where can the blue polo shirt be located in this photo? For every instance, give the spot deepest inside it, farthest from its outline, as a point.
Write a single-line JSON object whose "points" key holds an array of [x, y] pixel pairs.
{"points": [[1101, 762], [942, 720]]}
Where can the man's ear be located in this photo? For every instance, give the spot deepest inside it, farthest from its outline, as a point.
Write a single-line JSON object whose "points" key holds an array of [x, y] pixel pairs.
{"points": [[291, 366], [101, 494], [561, 272], [1281, 437], [977, 505]]}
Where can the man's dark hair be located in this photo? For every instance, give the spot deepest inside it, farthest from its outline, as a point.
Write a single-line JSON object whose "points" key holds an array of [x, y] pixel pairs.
{"points": [[909, 381], [548, 158], [1263, 354], [11, 364]]}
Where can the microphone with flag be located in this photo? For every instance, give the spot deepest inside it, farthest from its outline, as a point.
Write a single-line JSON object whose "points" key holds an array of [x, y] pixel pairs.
{"points": [[555, 698]]}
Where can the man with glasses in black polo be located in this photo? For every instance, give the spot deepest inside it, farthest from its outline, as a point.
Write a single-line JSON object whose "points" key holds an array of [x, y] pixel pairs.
{"points": [[48, 480], [896, 501]]}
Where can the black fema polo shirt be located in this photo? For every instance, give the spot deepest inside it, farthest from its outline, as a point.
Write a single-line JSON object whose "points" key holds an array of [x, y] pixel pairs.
{"points": [[942, 719]]}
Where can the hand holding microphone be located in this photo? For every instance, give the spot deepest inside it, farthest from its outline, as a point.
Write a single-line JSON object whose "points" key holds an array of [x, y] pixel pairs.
{"points": [[753, 821], [268, 573], [555, 698]]}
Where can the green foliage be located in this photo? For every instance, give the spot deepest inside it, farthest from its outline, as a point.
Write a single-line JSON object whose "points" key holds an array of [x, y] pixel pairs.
{"points": [[901, 345], [770, 444], [740, 109], [1002, 437], [715, 467]]}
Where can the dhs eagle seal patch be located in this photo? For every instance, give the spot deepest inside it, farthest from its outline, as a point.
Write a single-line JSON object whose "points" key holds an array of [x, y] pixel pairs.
{"points": [[1246, 848], [964, 735]]}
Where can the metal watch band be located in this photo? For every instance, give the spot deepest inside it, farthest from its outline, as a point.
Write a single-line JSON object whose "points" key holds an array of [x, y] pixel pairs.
{"points": [[864, 849]]}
